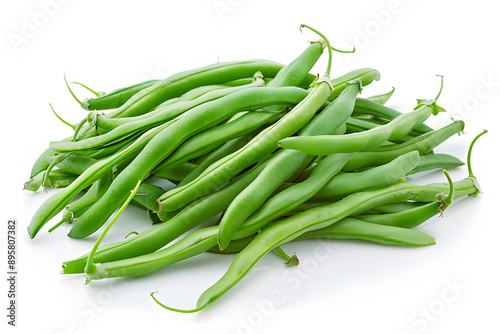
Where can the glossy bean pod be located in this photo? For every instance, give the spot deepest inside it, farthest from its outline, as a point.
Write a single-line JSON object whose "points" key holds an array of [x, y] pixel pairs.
{"points": [[116, 98]]}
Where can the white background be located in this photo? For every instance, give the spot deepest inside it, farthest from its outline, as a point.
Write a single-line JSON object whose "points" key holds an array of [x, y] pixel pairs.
{"points": [[341, 287]]}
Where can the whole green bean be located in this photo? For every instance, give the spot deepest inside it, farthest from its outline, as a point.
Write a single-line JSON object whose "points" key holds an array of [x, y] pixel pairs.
{"points": [[351, 228], [295, 72]]}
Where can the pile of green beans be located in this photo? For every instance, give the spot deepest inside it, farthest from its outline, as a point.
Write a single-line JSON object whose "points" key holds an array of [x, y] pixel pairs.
{"points": [[259, 153]]}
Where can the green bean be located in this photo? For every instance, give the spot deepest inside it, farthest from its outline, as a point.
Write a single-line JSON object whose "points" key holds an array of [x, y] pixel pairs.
{"points": [[106, 151], [407, 218], [179, 83], [295, 72], [436, 161], [367, 75], [351, 228], [364, 106], [292, 227], [393, 207], [382, 98], [116, 98], [59, 200], [423, 144], [354, 125], [153, 239], [397, 128]]}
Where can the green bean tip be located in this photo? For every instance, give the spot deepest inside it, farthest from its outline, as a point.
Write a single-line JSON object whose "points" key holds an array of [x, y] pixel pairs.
{"points": [[293, 260]]}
